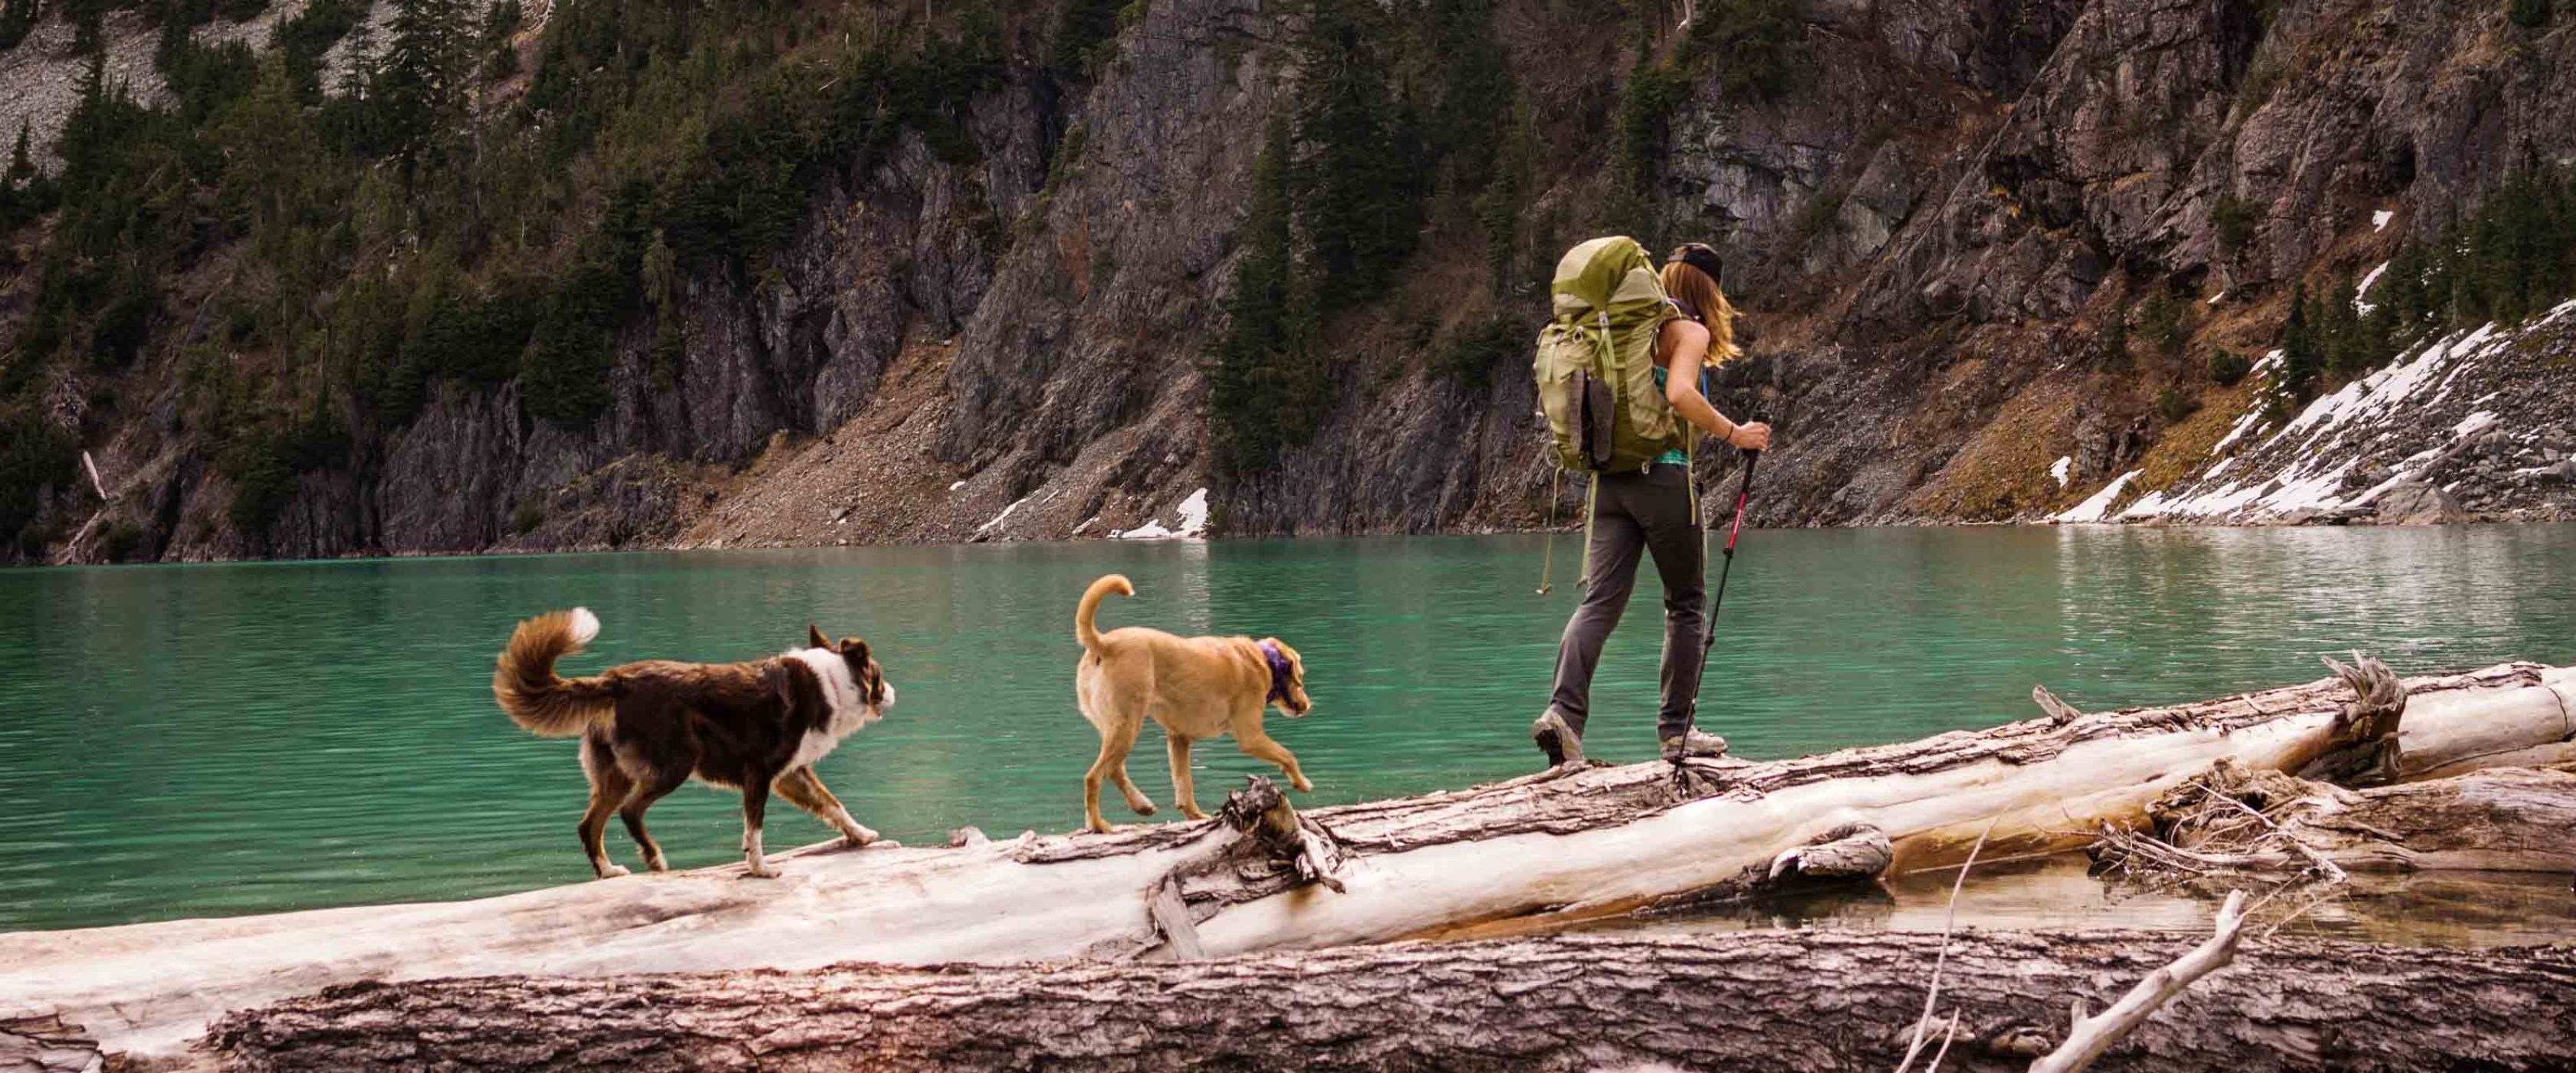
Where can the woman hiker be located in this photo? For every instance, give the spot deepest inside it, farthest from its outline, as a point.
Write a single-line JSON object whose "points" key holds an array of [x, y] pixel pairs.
{"points": [[1654, 512]]}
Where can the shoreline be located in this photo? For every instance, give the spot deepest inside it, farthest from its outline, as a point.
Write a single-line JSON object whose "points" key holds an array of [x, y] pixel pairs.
{"points": [[1566, 530]]}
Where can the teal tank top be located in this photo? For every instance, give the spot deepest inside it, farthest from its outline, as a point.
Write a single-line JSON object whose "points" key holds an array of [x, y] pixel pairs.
{"points": [[1674, 456]]}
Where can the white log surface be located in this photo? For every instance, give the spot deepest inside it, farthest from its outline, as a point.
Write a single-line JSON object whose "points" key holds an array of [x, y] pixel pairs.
{"points": [[1573, 842]]}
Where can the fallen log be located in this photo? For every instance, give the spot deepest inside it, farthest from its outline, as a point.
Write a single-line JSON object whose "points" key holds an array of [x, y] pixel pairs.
{"points": [[2230, 821], [1569, 844], [1819, 1000]]}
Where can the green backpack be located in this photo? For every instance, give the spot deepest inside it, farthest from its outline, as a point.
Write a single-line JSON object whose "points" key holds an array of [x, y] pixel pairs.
{"points": [[1596, 360]]}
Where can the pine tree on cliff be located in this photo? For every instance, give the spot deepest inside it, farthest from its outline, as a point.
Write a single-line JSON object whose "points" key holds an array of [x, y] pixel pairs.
{"points": [[23, 194], [2345, 348], [1358, 183], [421, 96], [2112, 345], [1470, 123], [2300, 360], [1265, 385], [2403, 304]]}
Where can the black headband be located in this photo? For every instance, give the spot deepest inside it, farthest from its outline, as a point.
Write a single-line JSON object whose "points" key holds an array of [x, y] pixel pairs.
{"points": [[1698, 255]]}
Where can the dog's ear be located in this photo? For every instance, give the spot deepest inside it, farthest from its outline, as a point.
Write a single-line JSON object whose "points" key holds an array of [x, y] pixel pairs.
{"points": [[1296, 663], [794, 684], [855, 651], [814, 638]]}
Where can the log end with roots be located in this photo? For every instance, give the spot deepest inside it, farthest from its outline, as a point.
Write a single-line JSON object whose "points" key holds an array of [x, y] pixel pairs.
{"points": [[2360, 747], [1275, 849]]}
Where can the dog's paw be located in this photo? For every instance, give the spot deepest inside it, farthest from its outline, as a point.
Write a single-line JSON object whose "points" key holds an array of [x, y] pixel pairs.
{"points": [[1192, 813], [761, 871], [1302, 785], [859, 838], [1143, 808], [614, 871], [658, 864]]}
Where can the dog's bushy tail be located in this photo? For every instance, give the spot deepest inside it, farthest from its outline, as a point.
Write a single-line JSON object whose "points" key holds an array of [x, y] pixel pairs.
{"points": [[1083, 630], [526, 685]]}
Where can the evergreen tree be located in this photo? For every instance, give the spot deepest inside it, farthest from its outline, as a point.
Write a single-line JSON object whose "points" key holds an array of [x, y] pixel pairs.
{"points": [[420, 98], [1359, 184], [2160, 322], [2301, 359], [1470, 122], [2407, 308], [1498, 208], [2528, 14], [24, 194], [501, 23], [22, 164], [1266, 386], [350, 115], [90, 131], [2345, 349], [1081, 27], [2113, 343]]}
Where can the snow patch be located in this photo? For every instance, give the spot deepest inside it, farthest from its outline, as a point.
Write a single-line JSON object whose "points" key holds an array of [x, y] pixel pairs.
{"points": [[2092, 510], [2473, 424], [956, 486], [2058, 470], [2363, 288], [1192, 519], [2379, 222], [2244, 425], [987, 528]]}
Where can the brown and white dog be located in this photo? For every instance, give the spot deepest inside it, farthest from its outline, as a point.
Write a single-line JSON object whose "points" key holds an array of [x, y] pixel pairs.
{"points": [[647, 727], [1196, 687]]}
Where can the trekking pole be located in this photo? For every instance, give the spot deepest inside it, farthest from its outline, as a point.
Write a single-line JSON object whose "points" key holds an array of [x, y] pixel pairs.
{"points": [[1743, 491], [1550, 560]]}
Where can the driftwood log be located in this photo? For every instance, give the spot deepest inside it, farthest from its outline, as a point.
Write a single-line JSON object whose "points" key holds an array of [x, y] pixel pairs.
{"points": [[1818, 1000], [1564, 845], [2230, 821]]}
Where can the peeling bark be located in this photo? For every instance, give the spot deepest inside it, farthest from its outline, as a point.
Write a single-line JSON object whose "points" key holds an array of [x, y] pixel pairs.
{"points": [[1798, 1000], [46, 1045]]}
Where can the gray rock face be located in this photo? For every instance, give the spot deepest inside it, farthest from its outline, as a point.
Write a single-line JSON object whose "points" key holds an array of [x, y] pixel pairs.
{"points": [[2417, 503]]}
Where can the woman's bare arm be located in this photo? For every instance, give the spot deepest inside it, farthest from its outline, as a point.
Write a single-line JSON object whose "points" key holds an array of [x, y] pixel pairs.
{"points": [[1687, 342]]}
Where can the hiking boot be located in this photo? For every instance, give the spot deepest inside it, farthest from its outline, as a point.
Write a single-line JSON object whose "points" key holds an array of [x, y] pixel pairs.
{"points": [[1557, 739], [1693, 742]]}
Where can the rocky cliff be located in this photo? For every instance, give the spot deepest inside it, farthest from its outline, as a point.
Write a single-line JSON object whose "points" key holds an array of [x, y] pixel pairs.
{"points": [[1929, 220]]}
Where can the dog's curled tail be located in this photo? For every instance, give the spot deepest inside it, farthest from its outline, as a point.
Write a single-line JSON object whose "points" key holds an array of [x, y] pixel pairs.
{"points": [[526, 685], [1083, 630]]}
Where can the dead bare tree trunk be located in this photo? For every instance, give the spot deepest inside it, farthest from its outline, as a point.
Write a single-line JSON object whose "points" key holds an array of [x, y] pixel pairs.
{"points": [[1801, 1000]]}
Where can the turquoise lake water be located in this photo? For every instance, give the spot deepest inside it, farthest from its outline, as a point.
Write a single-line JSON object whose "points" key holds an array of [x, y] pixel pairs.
{"points": [[211, 740]]}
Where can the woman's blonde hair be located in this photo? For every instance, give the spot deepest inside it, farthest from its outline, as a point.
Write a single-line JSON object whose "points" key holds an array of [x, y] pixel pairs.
{"points": [[1704, 297]]}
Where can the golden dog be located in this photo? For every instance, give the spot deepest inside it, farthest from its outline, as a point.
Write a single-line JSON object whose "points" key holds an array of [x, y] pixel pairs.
{"points": [[1196, 687]]}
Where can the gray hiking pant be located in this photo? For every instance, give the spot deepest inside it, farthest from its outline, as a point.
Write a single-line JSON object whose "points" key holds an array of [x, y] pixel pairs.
{"points": [[1652, 512]]}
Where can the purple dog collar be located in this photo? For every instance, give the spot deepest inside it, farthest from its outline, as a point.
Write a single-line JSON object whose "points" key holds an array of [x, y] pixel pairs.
{"points": [[1278, 673]]}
